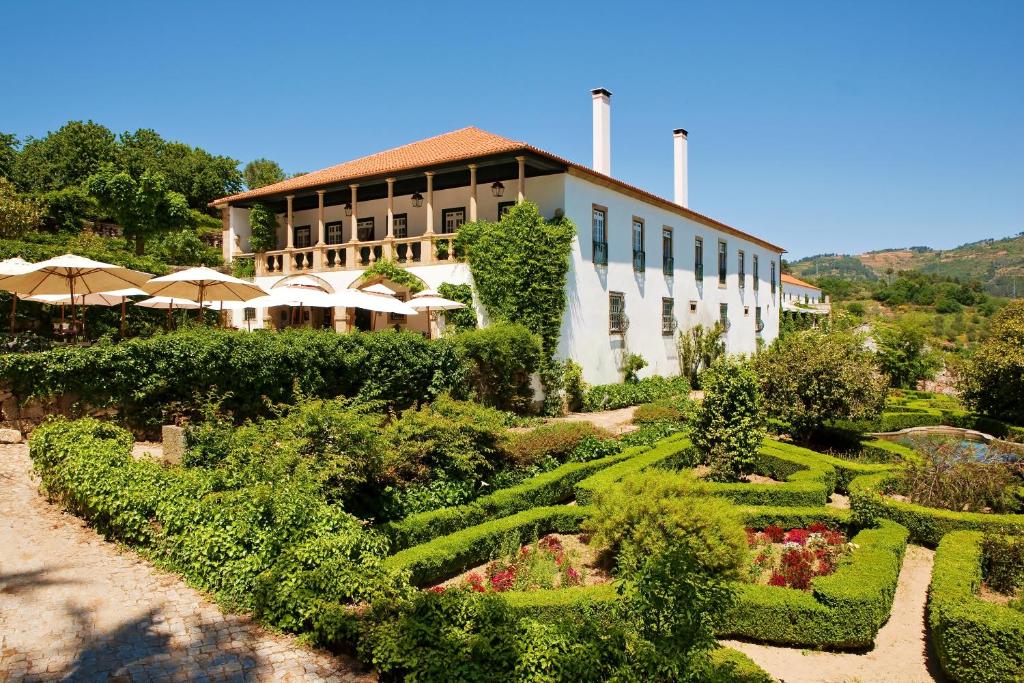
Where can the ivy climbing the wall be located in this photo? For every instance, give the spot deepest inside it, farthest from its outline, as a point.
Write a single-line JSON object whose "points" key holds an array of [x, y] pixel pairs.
{"points": [[519, 265], [387, 270], [460, 319]]}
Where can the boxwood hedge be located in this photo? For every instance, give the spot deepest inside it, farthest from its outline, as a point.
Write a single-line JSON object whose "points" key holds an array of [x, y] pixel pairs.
{"points": [[663, 452], [926, 525], [976, 641]]}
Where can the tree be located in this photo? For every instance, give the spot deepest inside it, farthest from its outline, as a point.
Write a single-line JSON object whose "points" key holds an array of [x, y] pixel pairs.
{"points": [[262, 172], [903, 355], [729, 425], [991, 380], [698, 348], [143, 206], [66, 157], [18, 214], [8, 154], [263, 227], [811, 378]]}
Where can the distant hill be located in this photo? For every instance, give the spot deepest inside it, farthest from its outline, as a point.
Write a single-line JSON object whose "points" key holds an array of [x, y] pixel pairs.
{"points": [[995, 262]]}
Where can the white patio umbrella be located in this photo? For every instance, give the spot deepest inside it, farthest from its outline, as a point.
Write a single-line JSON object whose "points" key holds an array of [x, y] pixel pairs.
{"points": [[379, 289], [202, 284], [114, 298], [431, 299], [71, 274], [13, 266]]}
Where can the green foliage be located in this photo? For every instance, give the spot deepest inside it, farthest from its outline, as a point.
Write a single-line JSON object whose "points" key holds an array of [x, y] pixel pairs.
{"points": [[244, 268], [143, 205], [18, 213], [64, 158], [503, 357], [8, 154], [903, 355], [262, 172], [67, 209], [387, 270], [557, 440], [149, 380], [991, 379], [263, 223], [976, 641], [183, 247], [698, 348], [811, 378], [728, 427], [646, 390], [632, 364], [1003, 565], [573, 386], [664, 452], [664, 410], [461, 319]]}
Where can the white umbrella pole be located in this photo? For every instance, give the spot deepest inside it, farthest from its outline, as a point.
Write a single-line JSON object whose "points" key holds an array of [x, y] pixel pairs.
{"points": [[430, 333], [14, 309]]}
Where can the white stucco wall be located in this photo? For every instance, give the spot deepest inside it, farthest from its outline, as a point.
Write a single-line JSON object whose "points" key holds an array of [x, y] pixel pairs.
{"points": [[796, 293], [585, 333]]}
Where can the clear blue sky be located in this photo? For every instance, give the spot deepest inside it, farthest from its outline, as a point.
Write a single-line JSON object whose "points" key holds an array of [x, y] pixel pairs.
{"points": [[822, 126]]}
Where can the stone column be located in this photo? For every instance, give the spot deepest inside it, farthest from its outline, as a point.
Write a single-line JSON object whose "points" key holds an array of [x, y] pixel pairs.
{"points": [[521, 192], [472, 192], [355, 211], [430, 202], [320, 217], [391, 208], [289, 238]]}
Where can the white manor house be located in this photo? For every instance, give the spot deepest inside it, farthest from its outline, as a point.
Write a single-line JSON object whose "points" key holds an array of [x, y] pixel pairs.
{"points": [[642, 267]]}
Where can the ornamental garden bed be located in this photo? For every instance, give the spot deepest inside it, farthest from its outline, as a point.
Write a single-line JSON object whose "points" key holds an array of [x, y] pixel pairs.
{"points": [[792, 558]]}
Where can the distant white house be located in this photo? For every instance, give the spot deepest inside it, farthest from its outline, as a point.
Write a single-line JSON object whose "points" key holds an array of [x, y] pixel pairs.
{"points": [[642, 267], [803, 297]]}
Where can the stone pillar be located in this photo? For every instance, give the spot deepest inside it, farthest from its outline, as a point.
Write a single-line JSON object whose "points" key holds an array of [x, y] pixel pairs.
{"points": [[289, 237], [320, 217], [391, 208], [472, 192], [227, 241], [430, 202], [355, 211], [521, 191]]}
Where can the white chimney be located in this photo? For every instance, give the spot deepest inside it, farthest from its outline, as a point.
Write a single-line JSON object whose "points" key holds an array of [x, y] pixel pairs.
{"points": [[602, 131], [681, 190]]}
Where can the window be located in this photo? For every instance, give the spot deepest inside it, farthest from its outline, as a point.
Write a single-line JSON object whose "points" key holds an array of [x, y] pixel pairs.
{"points": [[742, 263], [693, 306], [723, 315], [333, 230], [616, 313], [364, 230], [758, 321], [698, 259], [599, 227], [746, 311], [756, 274], [668, 263], [451, 219], [503, 208], [668, 317], [723, 262], [773, 278], [639, 263], [399, 317], [250, 314], [401, 224], [302, 237]]}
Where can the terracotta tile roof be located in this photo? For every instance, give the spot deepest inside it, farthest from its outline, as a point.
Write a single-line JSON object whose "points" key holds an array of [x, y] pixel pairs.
{"points": [[790, 280], [463, 144]]}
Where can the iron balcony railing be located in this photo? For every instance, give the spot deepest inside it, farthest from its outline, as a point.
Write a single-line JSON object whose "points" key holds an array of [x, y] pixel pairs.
{"points": [[668, 266], [601, 253], [639, 261]]}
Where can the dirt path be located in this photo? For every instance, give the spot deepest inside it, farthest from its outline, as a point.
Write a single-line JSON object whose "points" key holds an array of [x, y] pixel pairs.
{"points": [[74, 607], [900, 654]]}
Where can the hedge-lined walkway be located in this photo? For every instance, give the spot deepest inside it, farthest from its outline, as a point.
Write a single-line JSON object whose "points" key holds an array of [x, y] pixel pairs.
{"points": [[900, 654], [73, 607]]}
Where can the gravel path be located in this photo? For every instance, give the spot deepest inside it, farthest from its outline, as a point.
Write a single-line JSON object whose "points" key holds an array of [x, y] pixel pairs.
{"points": [[901, 651], [74, 607]]}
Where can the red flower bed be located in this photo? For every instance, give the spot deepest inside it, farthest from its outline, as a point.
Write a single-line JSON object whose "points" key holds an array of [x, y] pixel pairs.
{"points": [[792, 558], [544, 564]]}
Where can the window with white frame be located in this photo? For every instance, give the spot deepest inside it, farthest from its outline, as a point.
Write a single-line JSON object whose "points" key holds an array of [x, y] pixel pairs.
{"points": [[668, 316], [639, 255], [302, 237], [401, 223], [452, 219], [698, 259], [364, 230], [616, 313], [723, 315], [668, 264], [723, 262], [755, 273], [599, 235], [741, 263], [333, 230]]}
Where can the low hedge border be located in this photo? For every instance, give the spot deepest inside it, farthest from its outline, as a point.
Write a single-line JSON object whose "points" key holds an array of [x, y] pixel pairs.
{"points": [[926, 525], [976, 641], [807, 480], [449, 555], [732, 666], [848, 470], [842, 611], [662, 452], [548, 488]]}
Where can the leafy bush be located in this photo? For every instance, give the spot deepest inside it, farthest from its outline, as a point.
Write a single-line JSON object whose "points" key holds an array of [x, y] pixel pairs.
{"points": [[460, 319], [949, 476], [728, 427], [148, 380], [573, 385], [556, 440], [976, 641], [263, 223], [991, 377], [631, 367], [503, 357], [698, 348], [1003, 562], [612, 396], [903, 355], [665, 410], [811, 378]]}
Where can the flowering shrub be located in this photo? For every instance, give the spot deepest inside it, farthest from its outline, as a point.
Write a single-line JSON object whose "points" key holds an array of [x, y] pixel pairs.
{"points": [[792, 558], [544, 564]]}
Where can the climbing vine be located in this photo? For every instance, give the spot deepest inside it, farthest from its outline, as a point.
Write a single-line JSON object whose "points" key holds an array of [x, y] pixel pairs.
{"points": [[387, 270], [460, 319], [519, 265], [263, 224]]}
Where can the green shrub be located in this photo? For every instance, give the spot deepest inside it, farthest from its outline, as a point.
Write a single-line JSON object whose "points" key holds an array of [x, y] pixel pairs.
{"points": [[807, 479], [612, 396], [631, 367], [666, 449], [573, 385], [1003, 558], [976, 641], [460, 319], [556, 440], [503, 357], [991, 377], [728, 427], [698, 348], [664, 410], [149, 379]]}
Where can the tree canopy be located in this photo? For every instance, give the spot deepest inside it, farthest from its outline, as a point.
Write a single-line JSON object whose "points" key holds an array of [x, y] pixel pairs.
{"points": [[262, 172], [992, 379], [144, 206]]}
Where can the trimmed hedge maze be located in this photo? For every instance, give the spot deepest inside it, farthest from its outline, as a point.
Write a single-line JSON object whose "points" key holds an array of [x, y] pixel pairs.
{"points": [[976, 641]]}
